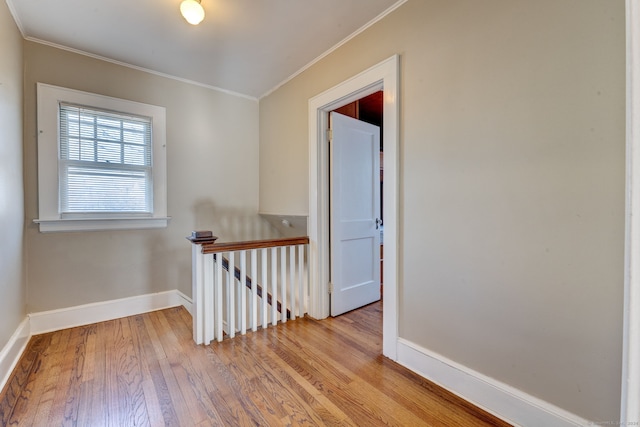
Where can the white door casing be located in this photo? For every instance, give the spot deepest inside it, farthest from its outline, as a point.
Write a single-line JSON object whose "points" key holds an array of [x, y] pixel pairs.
{"points": [[383, 76], [354, 213], [630, 393]]}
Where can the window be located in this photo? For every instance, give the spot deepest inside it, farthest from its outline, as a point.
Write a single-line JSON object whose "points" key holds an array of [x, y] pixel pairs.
{"points": [[101, 162], [105, 162]]}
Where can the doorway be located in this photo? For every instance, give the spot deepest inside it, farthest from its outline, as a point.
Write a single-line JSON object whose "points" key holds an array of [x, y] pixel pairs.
{"points": [[354, 213], [356, 190], [381, 77]]}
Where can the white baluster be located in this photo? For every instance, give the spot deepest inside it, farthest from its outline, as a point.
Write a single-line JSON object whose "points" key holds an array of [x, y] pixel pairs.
{"points": [[243, 293], [274, 286], [231, 300], [208, 297], [283, 283], [254, 290], [219, 334], [265, 286], [292, 280], [302, 289]]}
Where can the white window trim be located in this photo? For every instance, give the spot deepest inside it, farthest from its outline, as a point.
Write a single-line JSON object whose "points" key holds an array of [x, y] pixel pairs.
{"points": [[50, 219]]}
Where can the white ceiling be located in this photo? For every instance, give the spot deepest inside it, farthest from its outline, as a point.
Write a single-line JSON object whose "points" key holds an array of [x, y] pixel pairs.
{"points": [[247, 47]]}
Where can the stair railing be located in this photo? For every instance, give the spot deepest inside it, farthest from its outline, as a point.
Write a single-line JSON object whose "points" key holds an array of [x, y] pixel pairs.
{"points": [[245, 285]]}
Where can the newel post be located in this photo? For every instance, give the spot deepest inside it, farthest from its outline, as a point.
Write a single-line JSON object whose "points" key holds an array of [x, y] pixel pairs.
{"points": [[201, 286]]}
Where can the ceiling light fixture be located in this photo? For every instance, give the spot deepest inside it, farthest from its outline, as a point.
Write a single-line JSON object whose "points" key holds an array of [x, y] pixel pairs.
{"points": [[192, 11]]}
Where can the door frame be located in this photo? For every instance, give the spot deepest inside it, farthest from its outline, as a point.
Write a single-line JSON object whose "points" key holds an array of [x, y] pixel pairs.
{"points": [[630, 393], [383, 76]]}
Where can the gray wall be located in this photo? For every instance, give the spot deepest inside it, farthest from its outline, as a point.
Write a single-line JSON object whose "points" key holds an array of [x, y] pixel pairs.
{"points": [[12, 291], [212, 163], [512, 145]]}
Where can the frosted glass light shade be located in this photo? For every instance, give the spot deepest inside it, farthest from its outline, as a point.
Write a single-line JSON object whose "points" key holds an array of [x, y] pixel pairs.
{"points": [[192, 11]]}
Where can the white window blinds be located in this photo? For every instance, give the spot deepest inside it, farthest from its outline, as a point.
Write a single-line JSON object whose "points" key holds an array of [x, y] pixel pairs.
{"points": [[105, 163]]}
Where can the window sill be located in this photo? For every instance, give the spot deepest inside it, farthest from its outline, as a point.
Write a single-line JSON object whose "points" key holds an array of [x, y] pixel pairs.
{"points": [[92, 224]]}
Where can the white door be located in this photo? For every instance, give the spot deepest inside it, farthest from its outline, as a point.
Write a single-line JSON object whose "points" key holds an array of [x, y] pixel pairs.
{"points": [[355, 207]]}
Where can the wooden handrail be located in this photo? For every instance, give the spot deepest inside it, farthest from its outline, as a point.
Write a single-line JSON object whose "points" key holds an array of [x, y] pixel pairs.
{"points": [[213, 247]]}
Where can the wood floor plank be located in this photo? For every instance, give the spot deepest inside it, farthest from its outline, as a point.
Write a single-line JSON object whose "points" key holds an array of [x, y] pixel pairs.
{"points": [[21, 387], [231, 402], [382, 380], [155, 384], [357, 402], [329, 413], [63, 410], [269, 387], [46, 379], [145, 370], [180, 353], [175, 408]]}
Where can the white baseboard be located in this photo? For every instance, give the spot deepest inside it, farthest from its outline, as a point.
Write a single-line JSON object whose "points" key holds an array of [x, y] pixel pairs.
{"points": [[10, 354], [54, 320], [183, 300], [499, 399]]}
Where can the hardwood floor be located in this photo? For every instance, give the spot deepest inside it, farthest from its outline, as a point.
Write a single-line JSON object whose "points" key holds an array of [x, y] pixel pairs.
{"points": [[145, 370]]}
